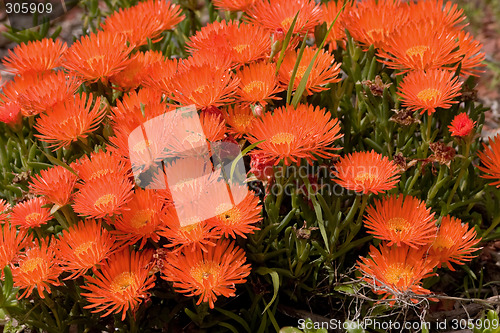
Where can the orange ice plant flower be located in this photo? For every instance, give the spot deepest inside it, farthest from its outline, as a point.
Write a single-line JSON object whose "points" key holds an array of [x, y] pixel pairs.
{"points": [[100, 165], [11, 243], [293, 134], [461, 125], [98, 56], [121, 285], [454, 243], [325, 70], [396, 271], [366, 172], [136, 71], [207, 274], [214, 126], [401, 220], [490, 159], [30, 213], [427, 91], [330, 10], [4, 211], [35, 56], [70, 121], [147, 19], [436, 14], [36, 268], [279, 14], [56, 184], [240, 119], [258, 83], [470, 58], [234, 5]]}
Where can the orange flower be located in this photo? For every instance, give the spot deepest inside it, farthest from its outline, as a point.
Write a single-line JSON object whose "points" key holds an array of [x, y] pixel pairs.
{"points": [[4, 211], [396, 271], [435, 14], [10, 114], [30, 214], [207, 274], [258, 83], [490, 158], [279, 14], [70, 121], [330, 10], [454, 242], [141, 219], [55, 184], [325, 70], [136, 71], [238, 218], [469, 56], [366, 172], [293, 134], [11, 243], [103, 197], [208, 36], [145, 20], [83, 247], [373, 22], [36, 268], [214, 126], [159, 74], [430, 48], [461, 125], [204, 86], [35, 56], [100, 165], [121, 285], [234, 5], [401, 220], [98, 56], [240, 118], [426, 91]]}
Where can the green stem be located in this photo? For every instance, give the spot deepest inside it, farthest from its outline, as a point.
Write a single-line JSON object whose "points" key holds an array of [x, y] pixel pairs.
{"points": [[492, 227], [413, 181], [24, 149], [362, 210], [463, 168], [352, 212], [437, 185], [427, 135]]}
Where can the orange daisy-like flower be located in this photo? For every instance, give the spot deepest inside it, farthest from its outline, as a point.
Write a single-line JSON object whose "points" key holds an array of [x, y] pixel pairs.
{"points": [[55, 184], [207, 36], [400, 221], [121, 285], [426, 91], [396, 271], [214, 126], [238, 218], [258, 83], [98, 56], [279, 14], [325, 70], [36, 268], [293, 134], [83, 247], [10, 114], [30, 214], [69, 121], [141, 219], [103, 197], [329, 11], [372, 22], [366, 172], [204, 86], [469, 56], [490, 158], [11, 243], [454, 242], [159, 74], [35, 56], [234, 5], [136, 71], [461, 126], [100, 165], [207, 274], [438, 15], [4, 210], [240, 118], [145, 20], [430, 48]]}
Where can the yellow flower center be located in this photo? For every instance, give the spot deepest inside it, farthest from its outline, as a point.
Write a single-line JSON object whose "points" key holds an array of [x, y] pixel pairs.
{"points": [[241, 48], [398, 224], [92, 61], [141, 218], [32, 218], [82, 248], [243, 121], [286, 23], [282, 138], [201, 89], [189, 224], [428, 94], [443, 242], [100, 173], [254, 87], [205, 270], [228, 213], [106, 201], [375, 32], [396, 272], [417, 50], [31, 264], [140, 146], [123, 282], [301, 70], [363, 177]]}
